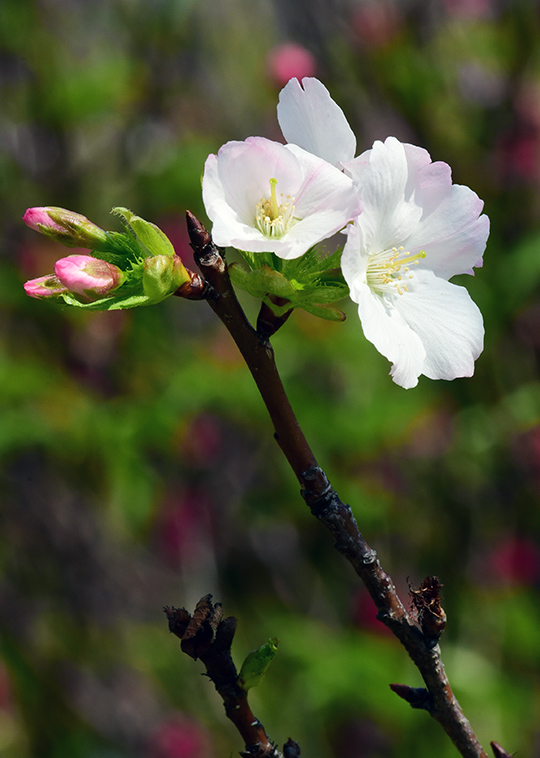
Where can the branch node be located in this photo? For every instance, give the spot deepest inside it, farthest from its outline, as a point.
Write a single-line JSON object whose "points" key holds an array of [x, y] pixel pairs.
{"points": [[369, 557], [205, 251], [417, 697], [196, 288], [269, 322], [426, 602]]}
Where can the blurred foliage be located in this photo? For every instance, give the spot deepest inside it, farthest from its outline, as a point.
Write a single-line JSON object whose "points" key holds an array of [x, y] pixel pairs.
{"points": [[138, 465]]}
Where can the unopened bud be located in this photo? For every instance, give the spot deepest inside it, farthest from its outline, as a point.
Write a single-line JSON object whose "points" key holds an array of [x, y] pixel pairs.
{"points": [[69, 228], [44, 286], [163, 275], [90, 277]]}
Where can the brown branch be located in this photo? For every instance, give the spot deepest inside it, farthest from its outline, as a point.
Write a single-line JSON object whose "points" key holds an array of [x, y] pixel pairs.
{"points": [[326, 506], [208, 636]]}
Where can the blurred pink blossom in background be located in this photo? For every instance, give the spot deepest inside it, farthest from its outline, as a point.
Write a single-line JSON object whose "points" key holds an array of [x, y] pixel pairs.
{"points": [[288, 61]]}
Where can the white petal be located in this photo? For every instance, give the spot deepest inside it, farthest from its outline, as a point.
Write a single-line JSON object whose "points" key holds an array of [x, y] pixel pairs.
{"points": [[390, 213], [447, 322], [410, 201], [245, 169], [385, 328], [433, 328], [237, 178], [454, 234], [325, 187], [309, 118], [354, 260]]}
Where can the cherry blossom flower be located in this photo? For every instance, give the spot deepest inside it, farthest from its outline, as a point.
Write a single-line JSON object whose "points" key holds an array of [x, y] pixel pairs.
{"points": [[417, 230], [266, 197]]}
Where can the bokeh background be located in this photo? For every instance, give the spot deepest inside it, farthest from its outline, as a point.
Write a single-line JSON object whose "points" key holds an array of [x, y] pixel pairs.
{"points": [[138, 465]]}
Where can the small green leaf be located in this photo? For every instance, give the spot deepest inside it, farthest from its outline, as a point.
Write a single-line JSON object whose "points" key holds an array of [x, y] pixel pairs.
{"points": [[256, 664], [328, 312], [149, 237], [325, 293]]}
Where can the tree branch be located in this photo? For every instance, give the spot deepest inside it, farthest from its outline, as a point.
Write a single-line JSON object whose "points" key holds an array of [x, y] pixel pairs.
{"points": [[420, 639]]}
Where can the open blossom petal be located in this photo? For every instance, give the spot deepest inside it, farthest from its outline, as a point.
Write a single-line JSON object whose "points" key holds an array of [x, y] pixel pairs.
{"points": [[436, 330], [266, 197], [448, 323], [416, 230], [309, 118], [410, 201]]}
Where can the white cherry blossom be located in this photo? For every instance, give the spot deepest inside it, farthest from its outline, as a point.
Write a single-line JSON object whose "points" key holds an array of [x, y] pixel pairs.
{"points": [[417, 230], [262, 196]]}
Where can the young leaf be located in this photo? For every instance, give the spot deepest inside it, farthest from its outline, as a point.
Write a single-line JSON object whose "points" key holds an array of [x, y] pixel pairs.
{"points": [[256, 664]]}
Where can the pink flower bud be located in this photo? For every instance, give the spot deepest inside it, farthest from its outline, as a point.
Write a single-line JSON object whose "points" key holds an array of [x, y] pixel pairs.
{"points": [[44, 286], [69, 228], [36, 218], [90, 277]]}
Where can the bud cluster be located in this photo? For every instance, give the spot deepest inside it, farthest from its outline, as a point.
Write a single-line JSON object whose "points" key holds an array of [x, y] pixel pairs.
{"points": [[136, 267]]}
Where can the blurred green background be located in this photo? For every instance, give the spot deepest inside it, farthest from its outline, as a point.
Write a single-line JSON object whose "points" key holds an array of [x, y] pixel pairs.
{"points": [[138, 465]]}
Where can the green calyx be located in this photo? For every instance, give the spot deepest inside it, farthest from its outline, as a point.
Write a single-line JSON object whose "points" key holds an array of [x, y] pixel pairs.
{"points": [[311, 282]]}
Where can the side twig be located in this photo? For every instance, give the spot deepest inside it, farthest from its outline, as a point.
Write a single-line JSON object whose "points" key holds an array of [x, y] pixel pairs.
{"points": [[208, 636], [419, 639]]}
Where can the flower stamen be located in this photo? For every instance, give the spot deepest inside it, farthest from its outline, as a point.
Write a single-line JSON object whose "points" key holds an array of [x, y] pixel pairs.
{"points": [[385, 270], [274, 218]]}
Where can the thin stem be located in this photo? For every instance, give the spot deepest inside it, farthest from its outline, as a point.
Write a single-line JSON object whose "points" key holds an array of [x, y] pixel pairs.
{"points": [[208, 636], [325, 504]]}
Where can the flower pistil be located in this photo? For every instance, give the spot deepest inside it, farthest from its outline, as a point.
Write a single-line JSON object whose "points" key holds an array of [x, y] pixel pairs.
{"points": [[274, 219]]}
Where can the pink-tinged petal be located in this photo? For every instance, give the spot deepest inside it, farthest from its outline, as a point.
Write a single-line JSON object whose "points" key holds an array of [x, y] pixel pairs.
{"points": [[309, 118], [454, 234], [390, 213], [245, 169], [325, 187], [448, 323], [412, 202], [87, 276], [238, 177], [44, 286]]}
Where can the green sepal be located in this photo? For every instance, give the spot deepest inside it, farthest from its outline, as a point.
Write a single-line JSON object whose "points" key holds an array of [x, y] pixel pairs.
{"points": [[256, 664], [328, 312], [311, 282], [261, 282], [163, 275], [150, 238]]}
